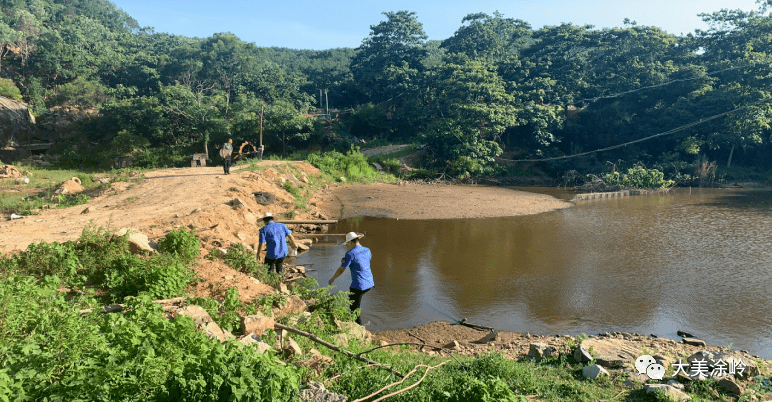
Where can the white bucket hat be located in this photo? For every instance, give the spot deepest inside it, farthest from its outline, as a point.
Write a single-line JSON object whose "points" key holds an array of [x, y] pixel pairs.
{"points": [[267, 215], [351, 236]]}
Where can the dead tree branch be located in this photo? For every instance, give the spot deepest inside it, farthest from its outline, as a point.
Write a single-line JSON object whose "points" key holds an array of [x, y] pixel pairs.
{"points": [[335, 348]]}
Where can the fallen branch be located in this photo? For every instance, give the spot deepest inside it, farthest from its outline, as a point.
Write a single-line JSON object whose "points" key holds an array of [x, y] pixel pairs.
{"points": [[119, 307], [475, 326], [440, 348], [428, 368], [335, 348]]}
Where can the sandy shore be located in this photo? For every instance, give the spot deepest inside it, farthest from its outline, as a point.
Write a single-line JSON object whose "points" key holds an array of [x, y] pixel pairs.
{"points": [[435, 201]]}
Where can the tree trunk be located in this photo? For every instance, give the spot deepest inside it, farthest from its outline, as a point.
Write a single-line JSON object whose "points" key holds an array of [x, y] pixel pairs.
{"points": [[729, 161]]}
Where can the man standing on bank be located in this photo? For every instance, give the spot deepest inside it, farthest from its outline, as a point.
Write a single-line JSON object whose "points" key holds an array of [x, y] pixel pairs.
{"points": [[274, 236], [358, 259], [226, 152]]}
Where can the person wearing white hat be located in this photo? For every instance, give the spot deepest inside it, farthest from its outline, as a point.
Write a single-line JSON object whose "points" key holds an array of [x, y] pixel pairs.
{"points": [[358, 260], [274, 235]]}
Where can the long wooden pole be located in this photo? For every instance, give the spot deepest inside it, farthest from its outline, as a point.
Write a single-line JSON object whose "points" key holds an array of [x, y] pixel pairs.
{"points": [[309, 221], [262, 109], [335, 348]]}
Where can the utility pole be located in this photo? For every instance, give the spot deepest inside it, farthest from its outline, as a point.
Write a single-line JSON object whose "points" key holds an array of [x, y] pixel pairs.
{"points": [[328, 104], [261, 150]]}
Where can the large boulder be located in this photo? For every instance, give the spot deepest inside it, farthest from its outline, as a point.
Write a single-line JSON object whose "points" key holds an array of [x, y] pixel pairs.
{"points": [[256, 324], [293, 305], [204, 322], [612, 352], [354, 330], [139, 243]]}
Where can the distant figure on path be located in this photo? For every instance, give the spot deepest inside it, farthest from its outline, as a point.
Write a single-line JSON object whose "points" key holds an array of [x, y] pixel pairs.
{"points": [[358, 260], [274, 236], [226, 152]]}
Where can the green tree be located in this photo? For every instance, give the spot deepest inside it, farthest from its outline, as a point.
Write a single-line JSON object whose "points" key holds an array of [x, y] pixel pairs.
{"points": [[390, 57]]}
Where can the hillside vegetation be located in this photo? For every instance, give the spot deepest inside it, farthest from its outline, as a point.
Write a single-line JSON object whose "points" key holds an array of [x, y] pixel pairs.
{"points": [[695, 107]]}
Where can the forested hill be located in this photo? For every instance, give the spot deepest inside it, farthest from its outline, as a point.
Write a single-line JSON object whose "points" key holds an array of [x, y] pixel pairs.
{"points": [[497, 85]]}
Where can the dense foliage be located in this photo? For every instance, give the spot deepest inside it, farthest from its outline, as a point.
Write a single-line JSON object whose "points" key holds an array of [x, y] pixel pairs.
{"points": [[494, 90]]}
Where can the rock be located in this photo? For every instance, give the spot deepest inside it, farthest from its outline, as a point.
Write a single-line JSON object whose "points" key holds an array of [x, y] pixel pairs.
{"points": [[14, 216], [668, 390], [222, 252], [87, 211], [538, 351], [256, 324], [664, 360], [241, 236], [594, 371], [214, 331], [491, 337], [684, 334], [291, 348], [731, 387], [236, 203], [582, 355], [196, 313], [676, 384], [204, 322], [293, 305], [264, 198], [340, 340], [250, 217], [613, 352], [251, 339], [453, 345], [694, 342], [315, 392], [342, 179], [703, 355], [304, 179], [354, 330], [138, 242]]}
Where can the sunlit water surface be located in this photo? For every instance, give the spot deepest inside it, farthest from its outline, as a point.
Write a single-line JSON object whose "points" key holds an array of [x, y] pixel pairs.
{"points": [[692, 259]]}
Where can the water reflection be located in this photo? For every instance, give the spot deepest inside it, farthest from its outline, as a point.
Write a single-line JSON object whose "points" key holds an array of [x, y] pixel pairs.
{"points": [[696, 260]]}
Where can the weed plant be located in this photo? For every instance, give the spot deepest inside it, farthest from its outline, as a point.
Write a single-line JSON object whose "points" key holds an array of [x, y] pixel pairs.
{"points": [[353, 165]]}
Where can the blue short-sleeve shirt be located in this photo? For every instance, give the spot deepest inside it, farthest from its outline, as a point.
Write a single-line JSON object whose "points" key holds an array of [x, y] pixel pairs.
{"points": [[274, 235], [358, 260]]}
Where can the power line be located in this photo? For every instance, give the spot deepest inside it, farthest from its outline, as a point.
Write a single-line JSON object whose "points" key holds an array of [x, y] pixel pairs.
{"points": [[692, 78], [675, 130]]}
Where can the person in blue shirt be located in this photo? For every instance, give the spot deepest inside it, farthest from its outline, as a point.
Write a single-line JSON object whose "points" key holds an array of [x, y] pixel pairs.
{"points": [[358, 260], [274, 235]]}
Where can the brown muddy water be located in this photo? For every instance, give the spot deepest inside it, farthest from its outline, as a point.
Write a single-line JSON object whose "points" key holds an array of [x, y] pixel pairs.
{"points": [[698, 260]]}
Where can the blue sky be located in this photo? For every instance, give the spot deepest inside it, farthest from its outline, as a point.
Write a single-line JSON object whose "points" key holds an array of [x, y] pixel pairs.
{"points": [[329, 24]]}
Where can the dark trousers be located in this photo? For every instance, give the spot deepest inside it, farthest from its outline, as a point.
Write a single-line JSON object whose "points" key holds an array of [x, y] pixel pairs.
{"points": [[227, 165], [275, 265], [355, 296]]}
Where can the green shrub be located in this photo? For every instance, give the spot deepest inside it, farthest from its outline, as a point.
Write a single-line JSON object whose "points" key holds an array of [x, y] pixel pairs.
{"points": [[9, 89], [160, 277], [180, 242], [48, 351], [638, 177], [353, 165]]}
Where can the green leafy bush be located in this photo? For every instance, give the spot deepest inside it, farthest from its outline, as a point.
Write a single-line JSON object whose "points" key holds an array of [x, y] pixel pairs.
{"points": [[160, 276], [638, 177], [180, 242], [9, 89], [353, 165], [49, 351]]}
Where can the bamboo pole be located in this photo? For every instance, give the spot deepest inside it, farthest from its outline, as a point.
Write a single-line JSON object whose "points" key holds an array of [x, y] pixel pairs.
{"points": [[335, 348]]}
